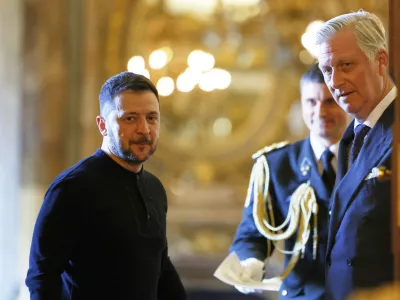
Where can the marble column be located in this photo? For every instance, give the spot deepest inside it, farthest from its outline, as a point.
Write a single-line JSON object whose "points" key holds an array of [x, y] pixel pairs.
{"points": [[11, 26], [51, 98]]}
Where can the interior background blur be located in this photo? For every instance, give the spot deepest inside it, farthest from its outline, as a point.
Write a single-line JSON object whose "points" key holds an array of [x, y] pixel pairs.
{"points": [[228, 74]]}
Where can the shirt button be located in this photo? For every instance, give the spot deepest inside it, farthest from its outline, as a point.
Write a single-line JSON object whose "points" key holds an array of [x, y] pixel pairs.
{"points": [[349, 262], [284, 293], [330, 212]]}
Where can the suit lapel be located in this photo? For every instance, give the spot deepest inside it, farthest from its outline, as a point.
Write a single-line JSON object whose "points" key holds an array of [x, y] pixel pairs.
{"points": [[308, 162], [376, 145]]}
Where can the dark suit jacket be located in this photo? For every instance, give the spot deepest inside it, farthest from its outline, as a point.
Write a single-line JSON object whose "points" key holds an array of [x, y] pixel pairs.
{"points": [[359, 247], [307, 279]]}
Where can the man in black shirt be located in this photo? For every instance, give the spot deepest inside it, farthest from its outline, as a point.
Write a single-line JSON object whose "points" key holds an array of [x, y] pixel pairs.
{"points": [[101, 230]]}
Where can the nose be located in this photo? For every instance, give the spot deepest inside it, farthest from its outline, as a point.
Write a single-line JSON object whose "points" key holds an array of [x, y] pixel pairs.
{"points": [[322, 109], [337, 79], [143, 127], [319, 110]]}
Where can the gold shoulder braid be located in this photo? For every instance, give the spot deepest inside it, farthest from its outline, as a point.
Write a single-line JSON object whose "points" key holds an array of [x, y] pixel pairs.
{"points": [[269, 148], [303, 205], [257, 156]]}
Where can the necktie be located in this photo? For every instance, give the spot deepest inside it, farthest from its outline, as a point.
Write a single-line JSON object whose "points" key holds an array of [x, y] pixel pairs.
{"points": [[360, 133], [328, 175]]}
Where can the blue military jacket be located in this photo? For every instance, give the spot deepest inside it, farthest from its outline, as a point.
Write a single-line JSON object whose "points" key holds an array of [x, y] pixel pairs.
{"points": [[290, 166], [359, 247]]}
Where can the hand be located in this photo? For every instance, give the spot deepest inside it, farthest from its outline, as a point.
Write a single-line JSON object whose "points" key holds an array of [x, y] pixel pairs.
{"points": [[252, 270]]}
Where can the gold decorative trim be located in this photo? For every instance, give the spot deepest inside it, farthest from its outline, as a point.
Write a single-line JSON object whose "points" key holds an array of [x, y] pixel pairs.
{"points": [[269, 148]]}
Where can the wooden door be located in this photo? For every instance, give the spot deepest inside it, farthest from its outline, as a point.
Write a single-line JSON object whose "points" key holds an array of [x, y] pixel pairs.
{"points": [[394, 54]]}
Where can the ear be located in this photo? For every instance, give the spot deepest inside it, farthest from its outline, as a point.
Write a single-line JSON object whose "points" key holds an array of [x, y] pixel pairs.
{"points": [[383, 61], [101, 125]]}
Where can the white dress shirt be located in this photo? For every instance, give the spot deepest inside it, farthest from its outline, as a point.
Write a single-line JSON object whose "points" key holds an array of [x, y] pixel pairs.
{"points": [[377, 112]]}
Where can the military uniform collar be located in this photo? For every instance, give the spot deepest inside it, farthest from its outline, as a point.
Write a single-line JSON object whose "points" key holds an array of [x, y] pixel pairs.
{"points": [[318, 148]]}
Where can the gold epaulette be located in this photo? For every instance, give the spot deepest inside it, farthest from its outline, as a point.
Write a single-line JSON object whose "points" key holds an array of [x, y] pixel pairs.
{"points": [[269, 148]]}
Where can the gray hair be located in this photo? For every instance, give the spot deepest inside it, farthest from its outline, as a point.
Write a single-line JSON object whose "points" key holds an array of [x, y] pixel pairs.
{"points": [[367, 28]]}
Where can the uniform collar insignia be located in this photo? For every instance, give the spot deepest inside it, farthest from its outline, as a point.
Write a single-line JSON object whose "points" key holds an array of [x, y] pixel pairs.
{"points": [[305, 166]]}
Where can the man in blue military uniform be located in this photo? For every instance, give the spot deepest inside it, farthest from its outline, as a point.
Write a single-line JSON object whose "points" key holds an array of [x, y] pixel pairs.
{"points": [[353, 57], [292, 175]]}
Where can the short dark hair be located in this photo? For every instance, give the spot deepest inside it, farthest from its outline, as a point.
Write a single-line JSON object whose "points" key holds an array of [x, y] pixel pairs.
{"points": [[125, 81], [313, 74]]}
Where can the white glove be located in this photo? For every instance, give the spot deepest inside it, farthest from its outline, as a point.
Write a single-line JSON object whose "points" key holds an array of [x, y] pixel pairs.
{"points": [[252, 270]]}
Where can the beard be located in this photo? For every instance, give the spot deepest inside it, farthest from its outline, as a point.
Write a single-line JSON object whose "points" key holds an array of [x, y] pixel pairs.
{"points": [[126, 154]]}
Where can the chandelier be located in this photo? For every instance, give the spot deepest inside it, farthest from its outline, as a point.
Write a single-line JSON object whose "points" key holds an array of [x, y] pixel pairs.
{"points": [[200, 71]]}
